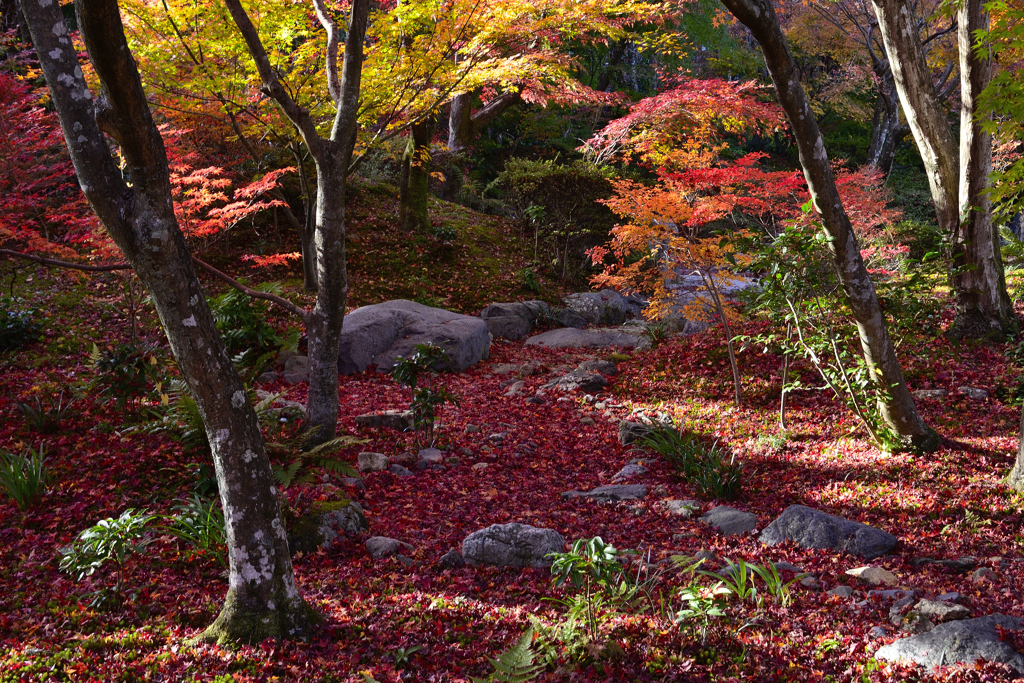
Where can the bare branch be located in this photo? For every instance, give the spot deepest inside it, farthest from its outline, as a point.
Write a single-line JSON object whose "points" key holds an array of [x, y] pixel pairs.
{"points": [[333, 86], [272, 298], [102, 268]]}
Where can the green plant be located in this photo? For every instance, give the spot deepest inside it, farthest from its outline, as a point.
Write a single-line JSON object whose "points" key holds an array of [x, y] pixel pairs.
{"points": [[774, 584], [445, 232], [109, 540], [24, 477], [528, 277], [426, 361], [596, 568], [18, 326], [402, 655], [514, 665], [700, 605], [242, 320], [299, 468], [717, 478], [704, 466], [46, 415], [124, 373], [199, 522], [737, 579]]}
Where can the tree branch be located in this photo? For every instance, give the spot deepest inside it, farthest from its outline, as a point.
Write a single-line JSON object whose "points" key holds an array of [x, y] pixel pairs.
{"points": [[104, 268], [272, 298], [333, 86]]}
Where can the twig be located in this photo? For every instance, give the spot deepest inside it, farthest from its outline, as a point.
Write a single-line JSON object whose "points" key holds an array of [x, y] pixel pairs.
{"points": [[266, 296]]}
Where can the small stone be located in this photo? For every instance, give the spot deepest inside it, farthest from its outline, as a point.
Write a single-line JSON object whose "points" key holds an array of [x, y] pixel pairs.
{"points": [[388, 419], [535, 400], [295, 377], [380, 547], [372, 462], [515, 388], [729, 521], [628, 472], [877, 632], [707, 556], [952, 596], [497, 438], [874, 576], [451, 560], [406, 561], [354, 482], [471, 429], [480, 466], [940, 612], [599, 406], [930, 394], [406, 458], [681, 508], [589, 421], [973, 393], [610, 494], [841, 592], [810, 583], [605, 367], [898, 609], [915, 622], [399, 471], [997, 562], [786, 567], [983, 574], [268, 377], [465, 451], [431, 455]]}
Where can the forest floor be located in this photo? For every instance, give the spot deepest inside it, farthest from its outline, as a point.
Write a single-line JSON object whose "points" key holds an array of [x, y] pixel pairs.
{"points": [[424, 623]]}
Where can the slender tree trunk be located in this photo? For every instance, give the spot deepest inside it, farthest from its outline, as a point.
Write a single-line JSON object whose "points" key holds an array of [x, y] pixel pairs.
{"points": [[897, 407], [983, 304], [979, 288], [415, 187], [460, 124], [1016, 478], [307, 229], [886, 130], [262, 599]]}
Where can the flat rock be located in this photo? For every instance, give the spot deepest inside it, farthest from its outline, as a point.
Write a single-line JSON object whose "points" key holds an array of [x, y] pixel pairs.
{"points": [[874, 576], [324, 525], [629, 471], [570, 337], [941, 612], [380, 547], [400, 471], [606, 307], [960, 565], [514, 320], [372, 462], [512, 545], [841, 592], [930, 394], [682, 508], [604, 367], [631, 432], [729, 521], [973, 393], [815, 529], [590, 382], [451, 560], [958, 642], [388, 419], [611, 493], [381, 333], [431, 455]]}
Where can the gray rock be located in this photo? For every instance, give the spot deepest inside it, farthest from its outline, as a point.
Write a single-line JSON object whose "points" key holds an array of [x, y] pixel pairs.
{"points": [[899, 609], [354, 482], [563, 317], [628, 472], [973, 393], [451, 560], [297, 363], [380, 547], [379, 334], [578, 381], [841, 592], [399, 471], [295, 377], [567, 337], [372, 462], [606, 307], [611, 493], [514, 320], [815, 529], [431, 455], [472, 429], [877, 632], [915, 622], [958, 642], [874, 576], [509, 327], [930, 394], [983, 574], [941, 612], [604, 367], [535, 400], [324, 525], [960, 565], [682, 508], [729, 521], [589, 421], [631, 432], [515, 388], [893, 594], [952, 596], [786, 567], [512, 545], [388, 419], [268, 377]]}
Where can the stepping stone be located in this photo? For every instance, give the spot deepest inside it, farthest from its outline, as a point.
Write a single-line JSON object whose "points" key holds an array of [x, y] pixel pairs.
{"points": [[930, 394], [388, 419], [841, 592], [812, 528], [729, 521], [372, 462], [874, 576], [960, 565], [611, 493], [604, 367], [512, 545], [570, 337], [973, 393], [381, 547], [958, 642], [941, 612], [681, 508], [629, 471], [578, 381]]}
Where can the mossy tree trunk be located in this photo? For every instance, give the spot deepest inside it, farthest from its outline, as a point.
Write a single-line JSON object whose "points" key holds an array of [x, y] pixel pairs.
{"points": [[415, 186], [262, 599]]}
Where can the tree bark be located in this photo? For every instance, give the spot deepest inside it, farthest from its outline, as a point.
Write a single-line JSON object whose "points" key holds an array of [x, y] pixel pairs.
{"points": [[332, 157], [414, 190], [897, 407], [979, 287], [886, 129], [464, 124], [1016, 478], [263, 600]]}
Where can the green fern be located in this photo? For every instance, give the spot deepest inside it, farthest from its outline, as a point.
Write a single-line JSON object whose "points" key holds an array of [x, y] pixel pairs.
{"points": [[514, 665], [1012, 249]]}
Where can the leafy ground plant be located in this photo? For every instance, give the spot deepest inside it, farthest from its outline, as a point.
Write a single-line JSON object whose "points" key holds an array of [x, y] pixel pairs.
{"points": [[18, 326], [24, 477], [428, 397], [711, 469], [45, 415], [199, 522], [515, 665], [111, 540]]}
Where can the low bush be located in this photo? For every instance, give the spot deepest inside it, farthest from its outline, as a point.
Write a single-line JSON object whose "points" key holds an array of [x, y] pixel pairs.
{"points": [[18, 326], [24, 477]]}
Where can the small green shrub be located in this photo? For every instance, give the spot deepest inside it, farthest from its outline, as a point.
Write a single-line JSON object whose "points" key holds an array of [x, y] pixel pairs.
{"points": [[425, 362], [45, 415], [515, 665], [18, 326], [242, 320], [24, 477], [124, 374], [199, 522], [111, 540], [711, 469], [445, 232]]}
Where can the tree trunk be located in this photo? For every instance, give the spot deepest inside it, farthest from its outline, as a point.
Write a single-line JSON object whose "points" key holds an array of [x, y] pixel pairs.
{"points": [[1016, 479], [262, 599], [886, 130], [979, 288], [460, 123], [415, 186], [897, 407], [983, 304]]}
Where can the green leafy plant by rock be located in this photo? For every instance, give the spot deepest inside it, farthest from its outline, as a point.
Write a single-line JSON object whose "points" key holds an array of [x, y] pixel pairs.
{"points": [[199, 523], [710, 468], [124, 374], [418, 372], [113, 540], [24, 476]]}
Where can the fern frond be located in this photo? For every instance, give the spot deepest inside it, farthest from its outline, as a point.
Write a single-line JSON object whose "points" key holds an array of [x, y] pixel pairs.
{"points": [[514, 665]]}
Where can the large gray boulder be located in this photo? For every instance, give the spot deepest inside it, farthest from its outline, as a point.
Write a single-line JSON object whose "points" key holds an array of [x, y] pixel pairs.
{"points": [[512, 545], [958, 642], [816, 529], [514, 320], [378, 334], [324, 525], [569, 337], [606, 307]]}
